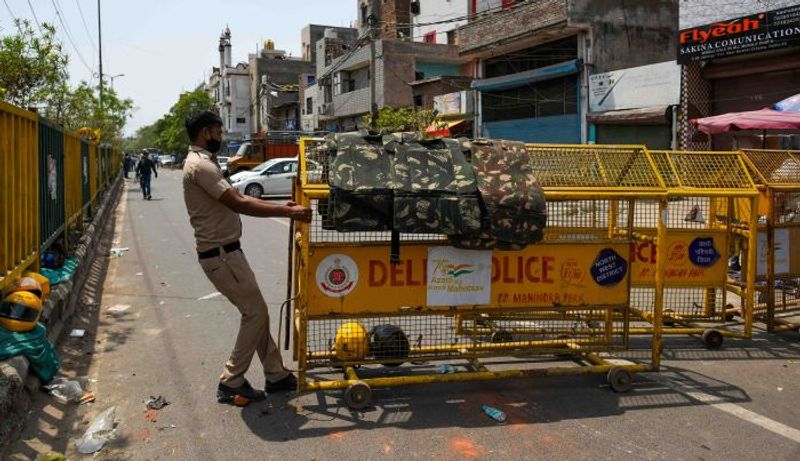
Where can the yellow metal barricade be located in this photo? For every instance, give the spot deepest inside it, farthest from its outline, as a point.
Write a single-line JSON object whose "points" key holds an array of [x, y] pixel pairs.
{"points": [[19, 192], [702, 234], [94, 172], [777, 176], [569, 295], [73, 181]]}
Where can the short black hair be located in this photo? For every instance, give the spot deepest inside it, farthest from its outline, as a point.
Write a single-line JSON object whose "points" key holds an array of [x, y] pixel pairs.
{"points": [[199, 120]]}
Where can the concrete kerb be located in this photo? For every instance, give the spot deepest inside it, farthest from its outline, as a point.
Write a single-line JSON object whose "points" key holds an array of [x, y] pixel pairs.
{"points": [[56, 313]]}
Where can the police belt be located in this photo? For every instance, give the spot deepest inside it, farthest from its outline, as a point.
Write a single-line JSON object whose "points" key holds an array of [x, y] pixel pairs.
{"points": [[214, 252]]}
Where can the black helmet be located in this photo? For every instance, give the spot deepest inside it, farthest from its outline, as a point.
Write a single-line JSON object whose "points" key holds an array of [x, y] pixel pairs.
{"points": [[388, 342]]}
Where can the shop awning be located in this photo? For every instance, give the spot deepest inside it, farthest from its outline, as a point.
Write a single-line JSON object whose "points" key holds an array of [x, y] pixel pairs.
{"points": [[529, 76], [764, 119], [443, 128], [656, 115]]}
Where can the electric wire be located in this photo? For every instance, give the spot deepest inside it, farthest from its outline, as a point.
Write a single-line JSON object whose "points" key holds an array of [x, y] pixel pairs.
{"points": [[85, 27], [9, 11], [70, 39], [36, 19]]}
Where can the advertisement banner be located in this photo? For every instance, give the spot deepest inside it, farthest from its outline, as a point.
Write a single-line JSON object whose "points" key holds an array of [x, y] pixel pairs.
{"points": [[361, 279], [693, 259], [758, 32]]}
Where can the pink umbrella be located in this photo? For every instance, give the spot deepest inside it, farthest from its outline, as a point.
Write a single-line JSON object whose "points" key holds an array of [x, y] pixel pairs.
{"points": [[764, 119]]}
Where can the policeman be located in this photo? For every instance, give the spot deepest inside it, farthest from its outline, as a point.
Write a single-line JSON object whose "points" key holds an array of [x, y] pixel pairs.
{"points": [[214, 208]]}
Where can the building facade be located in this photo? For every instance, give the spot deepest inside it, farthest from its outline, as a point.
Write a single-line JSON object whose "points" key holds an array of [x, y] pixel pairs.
{"points": [[737, 56], [229, 86], [343, 83], [393, 18], [274, 89], [532, 59], [435, 21], [313, 33]]}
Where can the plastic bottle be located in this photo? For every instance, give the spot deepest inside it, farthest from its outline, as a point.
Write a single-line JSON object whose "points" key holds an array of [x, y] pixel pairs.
{"points": [[494, 413]]}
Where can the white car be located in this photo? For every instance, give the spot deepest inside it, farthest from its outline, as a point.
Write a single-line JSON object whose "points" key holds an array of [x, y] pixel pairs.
{"points": [[273, 177]]}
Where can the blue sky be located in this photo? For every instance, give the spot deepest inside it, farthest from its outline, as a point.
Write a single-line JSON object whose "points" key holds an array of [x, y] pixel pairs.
{"points": [[166, 46]]}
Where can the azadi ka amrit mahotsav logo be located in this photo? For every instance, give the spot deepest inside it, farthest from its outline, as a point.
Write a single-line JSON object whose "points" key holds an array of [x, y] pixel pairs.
{"points": [[457, 270]]}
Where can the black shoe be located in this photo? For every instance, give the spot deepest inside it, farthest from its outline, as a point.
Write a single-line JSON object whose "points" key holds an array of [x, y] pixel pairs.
{"points": [[225, 394], [288, 383], [149, 197]]}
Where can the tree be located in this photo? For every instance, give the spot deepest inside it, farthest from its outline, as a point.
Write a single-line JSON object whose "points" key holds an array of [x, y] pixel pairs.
{"points": [[80, 108], [396, 119], [169, 132], [33, 72], [32, 66], [173, 137]]}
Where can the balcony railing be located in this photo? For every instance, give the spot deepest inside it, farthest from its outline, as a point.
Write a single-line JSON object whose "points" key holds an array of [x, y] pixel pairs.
{"points": [[502, 26]]}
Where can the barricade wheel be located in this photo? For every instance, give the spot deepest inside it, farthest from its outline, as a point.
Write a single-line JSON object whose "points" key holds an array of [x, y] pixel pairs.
{"points": [[668, 320], [358, 395], [620, 379], [712, 339]]}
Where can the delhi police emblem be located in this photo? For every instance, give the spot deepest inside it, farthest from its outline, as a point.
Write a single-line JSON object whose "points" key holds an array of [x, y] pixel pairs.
{"points": [[337, 275]]}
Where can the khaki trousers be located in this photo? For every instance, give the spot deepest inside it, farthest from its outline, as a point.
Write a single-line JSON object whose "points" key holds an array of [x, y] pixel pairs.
{"points": [[231, 275]]}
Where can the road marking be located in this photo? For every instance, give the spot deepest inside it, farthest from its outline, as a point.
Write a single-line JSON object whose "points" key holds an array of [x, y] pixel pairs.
{"points": [[739, 412]]}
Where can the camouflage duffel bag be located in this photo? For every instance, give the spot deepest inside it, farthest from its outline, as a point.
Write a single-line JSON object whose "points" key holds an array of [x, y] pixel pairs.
{"points": [[361, 183], [435, 191], [516, 212]]}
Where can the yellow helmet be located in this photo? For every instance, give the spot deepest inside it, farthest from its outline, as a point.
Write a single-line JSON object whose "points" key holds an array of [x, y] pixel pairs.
{"points": [[44, 282], [351, 342], [20, 311], [28, 284]]}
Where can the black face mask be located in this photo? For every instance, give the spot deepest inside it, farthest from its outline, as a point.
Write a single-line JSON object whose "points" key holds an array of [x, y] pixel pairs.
{"points": [[213, 146]]}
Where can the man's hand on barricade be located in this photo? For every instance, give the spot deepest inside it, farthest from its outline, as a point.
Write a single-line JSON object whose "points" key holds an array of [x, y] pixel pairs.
{"points": [[297, 212]]}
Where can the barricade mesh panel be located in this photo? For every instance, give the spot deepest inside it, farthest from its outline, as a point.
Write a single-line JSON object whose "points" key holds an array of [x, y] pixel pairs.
{"points": [[427, 337], [787, 208], [313, 151], [591, 166], [706, 304], [774, 166], [702, 170]]}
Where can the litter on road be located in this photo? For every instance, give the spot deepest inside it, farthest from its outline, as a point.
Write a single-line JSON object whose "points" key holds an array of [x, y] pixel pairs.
{"points": [[209, 296], [494, 413], [447, 368], [156, 403], [66, 390], [100, 431], [77, 333], [118, 252], [51, 456], [118, 308]]}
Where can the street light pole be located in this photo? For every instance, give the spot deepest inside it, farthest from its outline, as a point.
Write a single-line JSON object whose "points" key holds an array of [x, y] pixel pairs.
{"points": [[112, 79], [100, 53]]}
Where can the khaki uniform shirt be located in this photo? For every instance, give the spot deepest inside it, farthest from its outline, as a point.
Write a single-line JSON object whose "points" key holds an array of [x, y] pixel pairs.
{"points": [[203, 184]]}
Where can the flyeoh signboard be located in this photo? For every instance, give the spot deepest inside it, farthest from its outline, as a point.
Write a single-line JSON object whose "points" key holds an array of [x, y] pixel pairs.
{"points": [[754, 33]]}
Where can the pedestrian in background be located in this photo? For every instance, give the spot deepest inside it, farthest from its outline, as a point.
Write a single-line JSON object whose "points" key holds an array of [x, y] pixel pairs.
{"points": [[127, 164], [143, 170], [214, 207]]}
